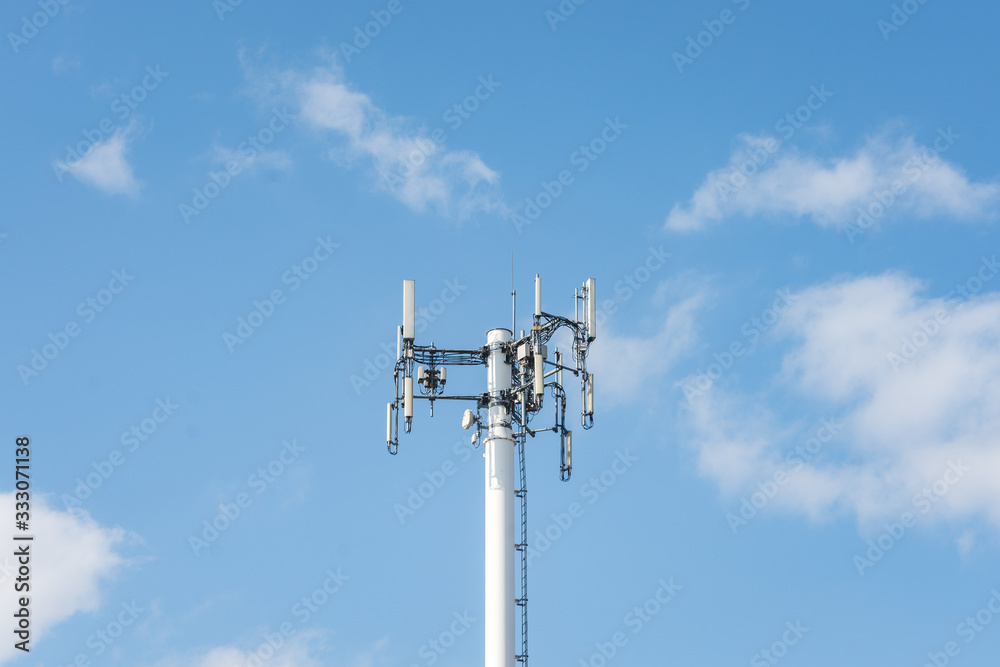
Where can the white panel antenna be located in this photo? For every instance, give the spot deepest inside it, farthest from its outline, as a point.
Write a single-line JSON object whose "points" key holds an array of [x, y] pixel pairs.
{"points": [[408, 310], [591, 309]]}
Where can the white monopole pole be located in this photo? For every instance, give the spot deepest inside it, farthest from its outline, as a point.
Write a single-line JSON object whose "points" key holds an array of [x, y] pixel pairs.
{"points": [[499, 455]]}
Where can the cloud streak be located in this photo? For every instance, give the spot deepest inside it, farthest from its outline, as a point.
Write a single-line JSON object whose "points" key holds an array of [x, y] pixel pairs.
{"points": [[405, 160]]}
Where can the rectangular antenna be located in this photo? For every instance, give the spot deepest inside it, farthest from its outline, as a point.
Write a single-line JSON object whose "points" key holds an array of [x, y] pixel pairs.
{"points": [[408, 309], [591, 309], [539, 374], [408, 398]]}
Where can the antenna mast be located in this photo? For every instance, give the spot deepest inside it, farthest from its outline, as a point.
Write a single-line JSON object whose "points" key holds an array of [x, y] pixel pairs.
{"points": [[513, 296], [518, 375]]}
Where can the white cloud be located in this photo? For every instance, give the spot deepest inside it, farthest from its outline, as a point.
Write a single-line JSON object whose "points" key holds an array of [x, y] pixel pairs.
{"points": [[830, 192], [406, 161], [71, 556], [625, 365], [105, 165], [911, 383]]}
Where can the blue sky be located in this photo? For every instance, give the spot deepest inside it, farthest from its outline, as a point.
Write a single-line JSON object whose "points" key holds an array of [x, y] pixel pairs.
{"points": [[790, 210]]}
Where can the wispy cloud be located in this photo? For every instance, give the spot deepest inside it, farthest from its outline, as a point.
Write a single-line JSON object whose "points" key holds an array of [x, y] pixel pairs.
{"points": [[63, 64], [624, 365], [105, 165], [405, 159], [894, 173]]}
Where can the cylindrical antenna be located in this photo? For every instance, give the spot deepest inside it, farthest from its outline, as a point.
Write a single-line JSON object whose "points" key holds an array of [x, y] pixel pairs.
{"points": [[513, 296], [399, 342], [538, 296], [388, 423]]}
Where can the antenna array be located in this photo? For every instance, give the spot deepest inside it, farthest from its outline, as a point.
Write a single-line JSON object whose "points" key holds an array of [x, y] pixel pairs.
{"points": [[519, 374]]}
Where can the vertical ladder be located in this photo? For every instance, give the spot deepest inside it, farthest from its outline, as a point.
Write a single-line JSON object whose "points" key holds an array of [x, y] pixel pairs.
{"points": [[522, 602]]}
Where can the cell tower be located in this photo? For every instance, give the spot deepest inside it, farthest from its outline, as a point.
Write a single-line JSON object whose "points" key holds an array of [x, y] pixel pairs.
{"points": [[518, 373]]}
